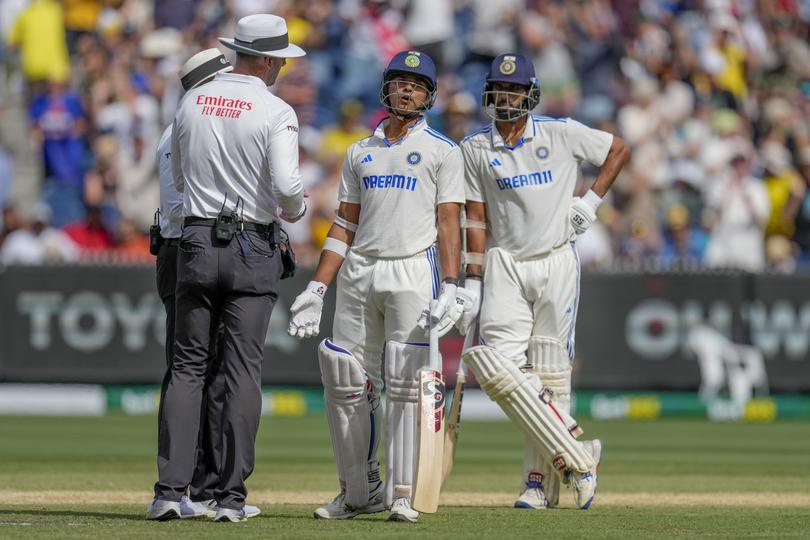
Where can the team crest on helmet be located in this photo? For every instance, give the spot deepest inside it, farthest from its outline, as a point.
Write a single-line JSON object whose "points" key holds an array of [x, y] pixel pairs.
{"points": [[542, 152], [412, 60], [508, 65], [414, 158]]}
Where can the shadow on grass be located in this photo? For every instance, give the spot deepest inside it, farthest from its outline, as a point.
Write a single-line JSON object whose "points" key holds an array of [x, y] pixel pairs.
{"points": [[41, 512]]}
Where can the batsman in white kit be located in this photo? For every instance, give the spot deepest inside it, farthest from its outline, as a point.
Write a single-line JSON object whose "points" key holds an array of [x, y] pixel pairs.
{"points": [[521, 222], [401, 189]]}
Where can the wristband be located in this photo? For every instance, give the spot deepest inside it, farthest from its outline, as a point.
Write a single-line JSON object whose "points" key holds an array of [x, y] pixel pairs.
{"points": [[592, 199], [450, 281]]}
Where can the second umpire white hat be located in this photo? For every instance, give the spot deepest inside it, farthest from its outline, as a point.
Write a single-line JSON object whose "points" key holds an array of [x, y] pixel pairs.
{"points": [[201, 66]]}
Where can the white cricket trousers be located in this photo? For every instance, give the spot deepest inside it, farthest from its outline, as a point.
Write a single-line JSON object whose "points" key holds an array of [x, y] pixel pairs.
{"points": [[380, 300], [530, 297]]}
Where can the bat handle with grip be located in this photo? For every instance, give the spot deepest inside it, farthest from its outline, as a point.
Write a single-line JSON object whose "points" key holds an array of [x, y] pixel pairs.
{"points": [[433, 345]]}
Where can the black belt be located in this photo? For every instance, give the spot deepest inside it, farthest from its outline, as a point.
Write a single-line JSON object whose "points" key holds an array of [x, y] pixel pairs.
{"points": [[171, 242], [261, 228]]}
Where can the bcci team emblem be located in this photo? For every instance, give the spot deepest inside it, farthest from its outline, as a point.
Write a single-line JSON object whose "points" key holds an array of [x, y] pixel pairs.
{"points": [[414, 158], [542, 152], [412, 60], [508, 65]]}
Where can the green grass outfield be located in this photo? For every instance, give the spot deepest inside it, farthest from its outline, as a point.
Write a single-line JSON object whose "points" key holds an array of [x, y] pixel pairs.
{"points": [[91, 477]]}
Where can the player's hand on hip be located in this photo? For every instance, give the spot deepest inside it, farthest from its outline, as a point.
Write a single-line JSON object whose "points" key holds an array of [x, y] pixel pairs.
{"points": [[582, 212], [445, 311], [305, 313], [469, 296]]}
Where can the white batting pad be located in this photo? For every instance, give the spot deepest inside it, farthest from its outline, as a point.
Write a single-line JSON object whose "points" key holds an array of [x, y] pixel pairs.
{"points": [[402, 364], [549, 360], [520, 396], [354, 421]]}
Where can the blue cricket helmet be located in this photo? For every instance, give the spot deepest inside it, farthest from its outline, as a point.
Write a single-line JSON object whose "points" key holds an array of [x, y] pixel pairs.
{"points": [[411, 63], [516, 69]]}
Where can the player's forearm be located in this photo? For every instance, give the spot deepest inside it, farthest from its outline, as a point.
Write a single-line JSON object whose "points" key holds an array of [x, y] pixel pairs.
{"points": [[338, 241], [449, 239], [618, 156], [475, 230]]}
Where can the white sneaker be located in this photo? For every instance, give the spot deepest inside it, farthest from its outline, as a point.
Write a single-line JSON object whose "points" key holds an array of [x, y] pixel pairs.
{"points": [[401, 511], [162, 510], [211, 508], [230, 515], [189, 509], [338, 509], [585, 483], [532, 497]]}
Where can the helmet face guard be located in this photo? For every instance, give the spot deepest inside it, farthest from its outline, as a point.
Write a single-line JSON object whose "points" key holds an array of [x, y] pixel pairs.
{"points": [[509, 113], [393, 78]]}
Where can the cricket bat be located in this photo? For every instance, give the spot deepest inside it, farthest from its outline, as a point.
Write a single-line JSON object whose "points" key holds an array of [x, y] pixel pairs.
{"points": [[430, 425], [454, 417]]}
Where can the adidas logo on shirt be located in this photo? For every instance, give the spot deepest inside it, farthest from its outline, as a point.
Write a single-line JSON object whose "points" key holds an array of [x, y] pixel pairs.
{"points": [[495, 162], [366, 159]]}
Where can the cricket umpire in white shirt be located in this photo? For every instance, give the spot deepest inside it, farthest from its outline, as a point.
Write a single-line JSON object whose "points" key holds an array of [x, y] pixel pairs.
{"points": [[401, 190], [235, 158], [521, 171]]}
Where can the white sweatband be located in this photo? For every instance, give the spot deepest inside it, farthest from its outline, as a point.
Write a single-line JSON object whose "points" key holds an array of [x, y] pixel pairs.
{"points": [[592, 199], [471, 257], [345, 223], [471, 224], [337, 246]]}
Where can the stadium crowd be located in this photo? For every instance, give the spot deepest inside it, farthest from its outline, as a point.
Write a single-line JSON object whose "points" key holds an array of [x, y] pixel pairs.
{"points": [[713, 96]]}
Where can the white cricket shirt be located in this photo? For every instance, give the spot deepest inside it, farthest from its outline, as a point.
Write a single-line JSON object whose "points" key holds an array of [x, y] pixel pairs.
{"points": [[232, 136], [171, 200], [529, 188], [398, 186]]}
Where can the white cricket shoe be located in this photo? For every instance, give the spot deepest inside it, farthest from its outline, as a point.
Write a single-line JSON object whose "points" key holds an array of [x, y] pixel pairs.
{"points": [[401, 511], [532, 497], [585, 483], [230, 515], [163, 510], [211, 507], [338, 509]]}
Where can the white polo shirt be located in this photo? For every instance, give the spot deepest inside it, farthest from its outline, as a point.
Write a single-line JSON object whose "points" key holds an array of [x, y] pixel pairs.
{"points": [[398, 186], [171, 201], [528, 188], [232, 136]]}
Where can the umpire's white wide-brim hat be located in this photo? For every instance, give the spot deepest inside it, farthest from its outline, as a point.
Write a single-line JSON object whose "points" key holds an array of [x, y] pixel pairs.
{"points": [[263, 35], [201, 66]]}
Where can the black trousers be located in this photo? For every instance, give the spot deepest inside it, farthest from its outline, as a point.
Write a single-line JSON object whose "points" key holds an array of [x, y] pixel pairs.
{"points": [[209, 444], [233, 286]]}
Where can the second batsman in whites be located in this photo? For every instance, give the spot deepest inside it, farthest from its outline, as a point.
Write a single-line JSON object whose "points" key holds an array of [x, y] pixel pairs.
{"points": [[521, 171], [401, 190]]}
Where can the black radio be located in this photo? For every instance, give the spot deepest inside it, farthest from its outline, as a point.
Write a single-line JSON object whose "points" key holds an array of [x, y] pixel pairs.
{"points": [[155, 239]]}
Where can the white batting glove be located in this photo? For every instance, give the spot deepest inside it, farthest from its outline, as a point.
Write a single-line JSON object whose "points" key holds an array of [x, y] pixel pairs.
{"points": [[305, 313], [445, 311], [470, 297], [583, 211]]}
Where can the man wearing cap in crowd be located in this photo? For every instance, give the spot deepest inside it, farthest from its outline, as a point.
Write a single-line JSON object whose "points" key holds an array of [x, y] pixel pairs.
{"points": [[234, 155], [522, 221], [198, 70]]}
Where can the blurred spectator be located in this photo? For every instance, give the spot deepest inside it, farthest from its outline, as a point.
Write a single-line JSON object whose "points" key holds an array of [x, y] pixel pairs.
{"points": [[428, 26], [90, 234], [175, 13], [6, 176], [684, 243], [81, 17], [738, 211], [39, 32], [337, 138], [38, 243], [11, 222], [459, 116], [132, 245], [58, 122]]}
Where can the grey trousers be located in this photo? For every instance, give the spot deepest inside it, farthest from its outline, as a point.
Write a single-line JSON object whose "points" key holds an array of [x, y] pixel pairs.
{"points": [[235, 285], [209, 444]]}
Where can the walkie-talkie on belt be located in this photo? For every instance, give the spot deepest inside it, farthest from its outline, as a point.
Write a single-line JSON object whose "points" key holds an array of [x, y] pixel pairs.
{"points": [[155, 239], [227, 223]]}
